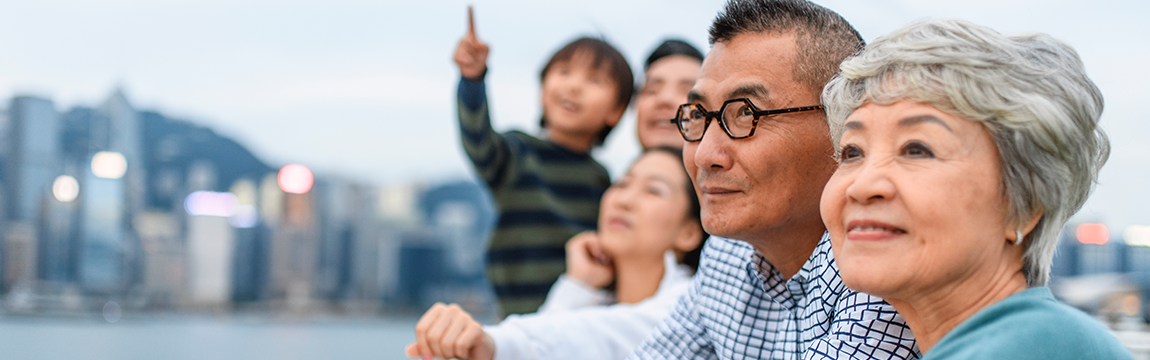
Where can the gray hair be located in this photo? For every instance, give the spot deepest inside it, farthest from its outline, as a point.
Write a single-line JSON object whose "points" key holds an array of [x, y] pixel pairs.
{"points": [[822, 37], [1029, 90]]}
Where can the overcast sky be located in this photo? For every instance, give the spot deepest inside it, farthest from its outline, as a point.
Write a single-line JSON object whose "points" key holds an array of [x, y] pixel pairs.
{"points": [[365, 89]]}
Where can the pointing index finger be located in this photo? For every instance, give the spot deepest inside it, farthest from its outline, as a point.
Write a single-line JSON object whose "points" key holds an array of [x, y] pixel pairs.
{"points": [[470, 21]]}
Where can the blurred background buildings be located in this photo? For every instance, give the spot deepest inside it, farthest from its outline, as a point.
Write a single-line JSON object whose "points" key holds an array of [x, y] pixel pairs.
{"points": [[114, 206]]}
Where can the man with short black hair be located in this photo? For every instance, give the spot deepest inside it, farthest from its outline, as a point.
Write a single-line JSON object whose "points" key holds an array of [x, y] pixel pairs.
{"points": [[767, 285]]}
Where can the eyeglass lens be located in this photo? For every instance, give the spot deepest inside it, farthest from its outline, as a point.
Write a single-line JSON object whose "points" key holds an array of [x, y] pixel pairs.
{"points": [[737, 117]]}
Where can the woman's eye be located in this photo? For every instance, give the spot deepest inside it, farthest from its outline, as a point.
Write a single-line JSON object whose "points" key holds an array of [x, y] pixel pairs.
{"points": [[655, 190], [917, 149], [850, 152]]}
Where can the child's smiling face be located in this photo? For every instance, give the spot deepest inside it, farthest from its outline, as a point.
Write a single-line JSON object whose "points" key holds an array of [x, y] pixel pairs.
{"points": [[580, 99]]}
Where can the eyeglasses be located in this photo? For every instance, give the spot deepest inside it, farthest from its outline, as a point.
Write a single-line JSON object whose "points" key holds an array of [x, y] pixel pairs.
{"points": [[737, 117]]}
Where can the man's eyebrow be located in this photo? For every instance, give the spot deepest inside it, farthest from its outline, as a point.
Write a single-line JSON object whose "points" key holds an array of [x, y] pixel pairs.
{"points": [[915, 120], [752, 90], [694, 97]]}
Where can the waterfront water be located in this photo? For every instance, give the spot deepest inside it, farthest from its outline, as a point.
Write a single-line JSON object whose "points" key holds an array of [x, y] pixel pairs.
{"points": [[204, 338]]}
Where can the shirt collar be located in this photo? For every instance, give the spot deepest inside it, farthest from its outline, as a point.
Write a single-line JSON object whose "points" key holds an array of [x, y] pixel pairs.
{"points": [[787, 292]]}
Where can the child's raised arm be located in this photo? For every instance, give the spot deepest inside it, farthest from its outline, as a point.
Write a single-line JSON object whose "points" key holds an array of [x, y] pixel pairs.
{"points": [[471, 54]]}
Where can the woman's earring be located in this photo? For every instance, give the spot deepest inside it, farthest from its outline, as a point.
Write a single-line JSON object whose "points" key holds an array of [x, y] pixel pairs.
{"points": [[1017, 237]]}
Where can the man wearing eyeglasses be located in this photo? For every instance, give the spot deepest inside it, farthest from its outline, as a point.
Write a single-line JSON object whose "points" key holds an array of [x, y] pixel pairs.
{"points": [[759, 151]]}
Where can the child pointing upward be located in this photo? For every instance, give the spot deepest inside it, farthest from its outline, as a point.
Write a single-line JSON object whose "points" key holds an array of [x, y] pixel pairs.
{"points": [[546, 190]]}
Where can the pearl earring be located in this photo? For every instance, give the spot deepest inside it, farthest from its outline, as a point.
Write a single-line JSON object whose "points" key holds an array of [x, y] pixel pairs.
{"points": [[1017, 237]]}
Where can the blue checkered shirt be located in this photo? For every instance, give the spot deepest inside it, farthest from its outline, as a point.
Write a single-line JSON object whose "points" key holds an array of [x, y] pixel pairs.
{"points": [[739, 307]]}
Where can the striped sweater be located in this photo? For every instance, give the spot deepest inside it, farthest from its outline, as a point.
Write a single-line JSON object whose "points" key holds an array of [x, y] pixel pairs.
{"points": [[544, 193]]}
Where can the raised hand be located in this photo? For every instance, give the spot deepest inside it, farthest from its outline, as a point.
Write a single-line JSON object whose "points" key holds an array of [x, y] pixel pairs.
{"points": [[446, 332], [587, 262], [471, 54]]}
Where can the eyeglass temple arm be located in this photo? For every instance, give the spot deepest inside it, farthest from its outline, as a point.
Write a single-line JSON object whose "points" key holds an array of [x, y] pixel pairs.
{"points": [[787, 110]]}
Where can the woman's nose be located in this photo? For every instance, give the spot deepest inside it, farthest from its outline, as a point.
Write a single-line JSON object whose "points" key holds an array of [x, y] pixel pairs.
{"points": [[872, 183], [625, 198]]}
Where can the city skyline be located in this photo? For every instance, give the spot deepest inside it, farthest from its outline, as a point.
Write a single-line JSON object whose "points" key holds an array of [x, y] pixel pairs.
{"points": [[358, 88], [121, 209]]}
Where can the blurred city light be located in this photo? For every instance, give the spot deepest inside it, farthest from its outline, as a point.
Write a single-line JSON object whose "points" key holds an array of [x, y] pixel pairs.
{"points": [[271, 200], [65, 188], [1092, 233], [245, 191], [109, 165], [210, 203], [245, 217], [1137, 235], [112, 312], [296, 179]]}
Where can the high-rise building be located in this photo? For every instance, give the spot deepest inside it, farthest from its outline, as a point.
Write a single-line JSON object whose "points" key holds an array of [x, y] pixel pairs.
{"points": [[250, 264], [164, 270], [211, 245], [102, 253], [126, 136], [60, 231], [33, 159], [294, 252], [336, 201], [397, 215]]}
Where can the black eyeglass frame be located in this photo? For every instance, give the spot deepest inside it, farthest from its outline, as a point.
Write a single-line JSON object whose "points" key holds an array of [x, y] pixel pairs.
{"points": [[708, 115]]}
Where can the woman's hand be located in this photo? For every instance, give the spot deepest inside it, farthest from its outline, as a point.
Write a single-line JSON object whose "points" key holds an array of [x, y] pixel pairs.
{"points": [[587, 262], [471, 54], [446, 332]]}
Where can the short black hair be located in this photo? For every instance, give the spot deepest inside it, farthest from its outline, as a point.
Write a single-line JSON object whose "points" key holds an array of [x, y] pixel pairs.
{"points": [[602, 54], [822, 37], [694, 211], [671, 47]]}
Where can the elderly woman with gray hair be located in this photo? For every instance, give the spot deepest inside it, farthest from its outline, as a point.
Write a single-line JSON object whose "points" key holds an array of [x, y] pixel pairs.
{"points": [[962, 152]]}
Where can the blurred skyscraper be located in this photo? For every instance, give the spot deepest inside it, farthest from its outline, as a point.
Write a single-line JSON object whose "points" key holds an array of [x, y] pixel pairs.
{"points": [[33, 155], [33, 161]]}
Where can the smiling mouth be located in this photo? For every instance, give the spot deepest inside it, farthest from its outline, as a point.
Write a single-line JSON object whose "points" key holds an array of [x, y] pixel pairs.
{"points": [[868, 230], [568, 105]]}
